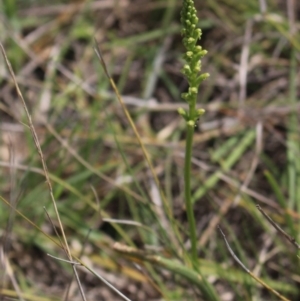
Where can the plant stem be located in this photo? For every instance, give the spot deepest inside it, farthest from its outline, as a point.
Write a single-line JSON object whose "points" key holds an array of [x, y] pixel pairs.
{"points": [[192, 71], [187, 191]]}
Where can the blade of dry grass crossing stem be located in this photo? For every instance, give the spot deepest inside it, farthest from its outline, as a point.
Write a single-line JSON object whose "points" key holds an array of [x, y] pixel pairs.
{"points": [[73, 263], [68, 291], [45, 168], [177, 241], [104, 280], [292, 240], [248, 271], [64, 260]]}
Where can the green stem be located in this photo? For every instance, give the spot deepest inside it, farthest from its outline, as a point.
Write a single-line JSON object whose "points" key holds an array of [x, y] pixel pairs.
{"points": [[187, 192]]}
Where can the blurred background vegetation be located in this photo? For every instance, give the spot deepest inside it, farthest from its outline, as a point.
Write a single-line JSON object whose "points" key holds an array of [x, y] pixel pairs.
{"points": [[246, 149]]}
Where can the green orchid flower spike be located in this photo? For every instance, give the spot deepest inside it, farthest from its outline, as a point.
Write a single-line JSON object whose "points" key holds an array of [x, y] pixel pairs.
{"points": [[193, 55], [192, 71]]}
